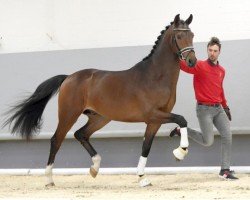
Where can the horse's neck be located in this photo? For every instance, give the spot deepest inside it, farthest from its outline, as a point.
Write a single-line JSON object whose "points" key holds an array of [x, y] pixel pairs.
{"points": [[161, 74], [164, 64]]}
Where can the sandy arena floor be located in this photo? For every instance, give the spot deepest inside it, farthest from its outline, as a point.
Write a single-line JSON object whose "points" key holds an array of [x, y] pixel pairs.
{"points": [[114, 187]]}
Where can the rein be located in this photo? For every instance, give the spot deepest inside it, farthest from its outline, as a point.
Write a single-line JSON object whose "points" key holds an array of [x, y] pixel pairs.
{"points": [[186, 49]]}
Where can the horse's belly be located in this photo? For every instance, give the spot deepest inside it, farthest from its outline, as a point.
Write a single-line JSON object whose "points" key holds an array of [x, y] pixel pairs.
{"points": [[119, 111]]}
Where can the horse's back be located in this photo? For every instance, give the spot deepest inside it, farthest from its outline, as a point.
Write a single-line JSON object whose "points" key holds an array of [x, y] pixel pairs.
{"points": [[89, 85]]}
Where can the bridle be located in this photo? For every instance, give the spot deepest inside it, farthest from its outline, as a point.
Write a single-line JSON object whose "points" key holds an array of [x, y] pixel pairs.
{"points": [[184, 50]]}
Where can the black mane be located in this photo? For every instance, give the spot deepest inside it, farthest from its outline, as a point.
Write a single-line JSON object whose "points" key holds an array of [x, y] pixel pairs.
{"points": [[156, 43], [158, 40]]}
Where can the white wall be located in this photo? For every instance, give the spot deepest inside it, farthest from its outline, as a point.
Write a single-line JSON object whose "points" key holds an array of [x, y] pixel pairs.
{"points": [[41, 25]]}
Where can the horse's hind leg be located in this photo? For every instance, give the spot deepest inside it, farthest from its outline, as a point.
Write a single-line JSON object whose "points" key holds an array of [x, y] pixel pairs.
{"points": [[66, 121], [94, 123], [151, 130]]}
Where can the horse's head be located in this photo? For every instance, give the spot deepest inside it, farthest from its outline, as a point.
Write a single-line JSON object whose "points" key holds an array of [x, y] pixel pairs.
{"points": [[182, 40]]}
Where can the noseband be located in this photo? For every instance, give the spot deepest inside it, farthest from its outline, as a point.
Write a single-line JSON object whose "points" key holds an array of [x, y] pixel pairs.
{"points": [[186, 49]]}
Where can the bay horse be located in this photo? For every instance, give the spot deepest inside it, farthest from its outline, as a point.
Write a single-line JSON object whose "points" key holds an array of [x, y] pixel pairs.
{"points": [[144, 93]]}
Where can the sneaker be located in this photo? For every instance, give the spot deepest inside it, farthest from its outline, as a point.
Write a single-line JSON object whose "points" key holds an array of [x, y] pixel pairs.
{"points": [[176, 131], [227, 175]]}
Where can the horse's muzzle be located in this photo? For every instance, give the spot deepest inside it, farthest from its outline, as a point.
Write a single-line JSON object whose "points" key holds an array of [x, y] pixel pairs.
{"points": [[191, 63], [191, 59]]}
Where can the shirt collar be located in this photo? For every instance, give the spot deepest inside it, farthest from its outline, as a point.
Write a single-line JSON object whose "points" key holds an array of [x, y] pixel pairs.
{"points": [[212, 64]]}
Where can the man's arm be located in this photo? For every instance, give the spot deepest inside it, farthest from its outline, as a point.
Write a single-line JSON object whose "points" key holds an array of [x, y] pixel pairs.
{"points": [[185, 68], [224, 101], [224, 104]]}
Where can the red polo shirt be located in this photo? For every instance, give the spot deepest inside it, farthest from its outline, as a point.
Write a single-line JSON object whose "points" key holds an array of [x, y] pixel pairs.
{"points": [[208, 81]]}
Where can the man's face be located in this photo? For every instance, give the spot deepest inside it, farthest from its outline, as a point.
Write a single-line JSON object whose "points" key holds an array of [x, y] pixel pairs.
{"points": [[213, 52]]}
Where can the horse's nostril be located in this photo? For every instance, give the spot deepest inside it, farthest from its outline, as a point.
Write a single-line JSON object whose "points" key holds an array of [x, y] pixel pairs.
{"points": [[191, 63]]}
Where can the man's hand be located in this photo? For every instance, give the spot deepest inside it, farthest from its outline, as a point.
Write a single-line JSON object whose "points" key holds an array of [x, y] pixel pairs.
{"points": [[227, 111]]}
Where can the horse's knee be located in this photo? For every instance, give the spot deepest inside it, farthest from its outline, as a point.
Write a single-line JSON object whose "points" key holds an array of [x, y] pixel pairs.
{"points": [[181, 121], [77, 135], [80, 136]]}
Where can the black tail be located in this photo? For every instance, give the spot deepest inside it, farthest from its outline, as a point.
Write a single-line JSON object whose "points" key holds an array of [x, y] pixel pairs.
{"points": [[28, 113]]}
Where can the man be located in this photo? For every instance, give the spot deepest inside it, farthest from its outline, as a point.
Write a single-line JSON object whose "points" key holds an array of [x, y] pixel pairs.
{"points": [[211, 105]]}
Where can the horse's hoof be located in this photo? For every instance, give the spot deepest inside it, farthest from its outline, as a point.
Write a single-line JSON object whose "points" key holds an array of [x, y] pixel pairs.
{"points": [[180, 153], [50, 185], [93, 172], [144, 182]]}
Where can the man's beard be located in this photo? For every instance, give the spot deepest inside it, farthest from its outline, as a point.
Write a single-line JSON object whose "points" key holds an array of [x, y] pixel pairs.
{"points": [[212, 58]]}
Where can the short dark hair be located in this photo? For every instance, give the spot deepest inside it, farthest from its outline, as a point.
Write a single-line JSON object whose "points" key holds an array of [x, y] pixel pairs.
{"points": [[214, 41]]}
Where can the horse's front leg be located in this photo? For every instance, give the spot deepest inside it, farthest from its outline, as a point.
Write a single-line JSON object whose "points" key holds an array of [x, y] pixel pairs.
{"points": [[151, 130], [162, 117]]}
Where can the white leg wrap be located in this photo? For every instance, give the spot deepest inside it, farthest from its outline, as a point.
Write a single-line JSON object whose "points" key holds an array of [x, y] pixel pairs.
{"points": [[96, 161], [184, 138], [48, 174], [141, 165], [180, 153]]}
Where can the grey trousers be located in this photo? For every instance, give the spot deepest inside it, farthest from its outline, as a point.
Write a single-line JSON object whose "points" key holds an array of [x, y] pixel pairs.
{"points": [[209, 116]]}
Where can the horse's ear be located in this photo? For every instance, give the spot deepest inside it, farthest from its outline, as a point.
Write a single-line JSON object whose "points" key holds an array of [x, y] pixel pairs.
{"points": [[189, 20], [176, 20]]}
